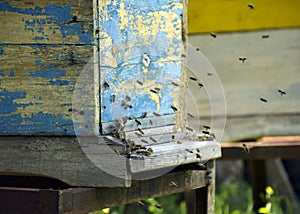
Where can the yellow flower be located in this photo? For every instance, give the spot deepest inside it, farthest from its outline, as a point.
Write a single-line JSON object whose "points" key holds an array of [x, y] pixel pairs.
{"points": [[269, 190]]}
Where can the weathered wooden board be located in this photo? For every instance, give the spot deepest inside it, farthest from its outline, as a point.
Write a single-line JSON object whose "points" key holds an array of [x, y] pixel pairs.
{"points": [[46, 22], [45, 46], [56, 157], [272, 64]]}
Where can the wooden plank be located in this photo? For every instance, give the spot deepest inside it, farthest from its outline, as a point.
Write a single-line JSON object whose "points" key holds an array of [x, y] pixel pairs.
{"points": [[56, 157], [87, 200], [173, 154], [261, 150], [219, 16], [37, 88], [47, 22]]}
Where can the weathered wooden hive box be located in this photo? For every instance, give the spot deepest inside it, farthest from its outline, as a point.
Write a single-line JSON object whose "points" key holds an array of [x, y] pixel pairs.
{"points": [[92, 92]]}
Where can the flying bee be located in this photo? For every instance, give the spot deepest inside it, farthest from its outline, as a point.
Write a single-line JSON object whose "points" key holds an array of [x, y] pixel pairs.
{"points": [[153, 139], [128, 106], [245, 148], [281, 92], [117, 151], [206, 127], [140, 130], [189, 129], [251, 6], [198, 149], [173, 184], [197, 49], [243, 59], [157, 89], [156, 114], [209, 74], [263, 100], [139, 82], [198, 156], [200, 85], [193, 78], [140, 203], [174, 108], [174, 83], [138, 122], [213, 35], [173, 137], [265, 36], [153, 91], [189, 150], [205, 132], [183, 55], [190, 115]]}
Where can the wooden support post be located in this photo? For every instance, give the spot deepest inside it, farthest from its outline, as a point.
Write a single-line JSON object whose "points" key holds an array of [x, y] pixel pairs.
{"points": [[258, 175], [202, 200]]}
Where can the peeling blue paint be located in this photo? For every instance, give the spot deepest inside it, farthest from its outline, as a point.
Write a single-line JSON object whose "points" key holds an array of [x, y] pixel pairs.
{"points": [[49, 73], [12, 73], [7, 101], [1, 51], [59, 82], [40, 123], [2, 74]]}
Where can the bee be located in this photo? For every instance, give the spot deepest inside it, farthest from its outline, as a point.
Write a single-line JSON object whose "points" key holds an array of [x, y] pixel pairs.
{"points": [[113, 98], [138, 122], [144, 115], [123, 103], [173, 184], [197, 49], [198, 156], [158, 206], [173, 137], [243, 59], [174, 83], [151, 122], [205, 132], [146, 60], [140, 203], [139, 82], [138, 134], [153, 91], [150, 151], [193, 78], [128, 106], [265, 36], [157, 89], [190, 115], [127, 98], [153, 139], [263, 100], [106, 85], [209, 74], [144, 141], [200, 85], [198, 149], [189, 129], [206, 127], [140, 130], [251, 6], [117, 151], [183, 55], [281, 92], [179, 142], [213, 35], [189, 150], [245, 148], [174, 108], [156, 114]]}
